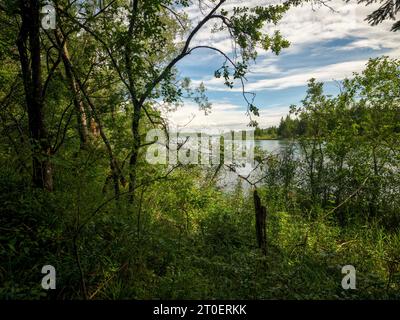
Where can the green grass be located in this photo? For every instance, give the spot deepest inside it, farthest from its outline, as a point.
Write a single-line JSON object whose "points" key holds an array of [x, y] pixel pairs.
{"points": [[194, 242]]}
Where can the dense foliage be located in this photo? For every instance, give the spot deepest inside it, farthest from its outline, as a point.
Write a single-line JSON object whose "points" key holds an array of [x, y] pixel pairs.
{"points": [[77, 193]]}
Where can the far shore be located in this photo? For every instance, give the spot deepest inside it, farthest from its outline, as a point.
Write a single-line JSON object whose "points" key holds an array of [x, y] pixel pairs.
{"points": [[262, 138]]}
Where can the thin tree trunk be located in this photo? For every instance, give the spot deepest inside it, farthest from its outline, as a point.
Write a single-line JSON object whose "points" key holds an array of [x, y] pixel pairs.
{"points": [[373, 201], [115, 169], [78, 103], [78, 89], [135, 151]]}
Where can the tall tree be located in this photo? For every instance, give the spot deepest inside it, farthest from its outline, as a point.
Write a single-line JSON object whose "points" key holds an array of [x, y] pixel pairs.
{"points": [[76, 94], [144, 49], [29, 48]]}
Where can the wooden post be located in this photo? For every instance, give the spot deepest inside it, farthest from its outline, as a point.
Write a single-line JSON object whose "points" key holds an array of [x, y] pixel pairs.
{"points": [[261, 216]]}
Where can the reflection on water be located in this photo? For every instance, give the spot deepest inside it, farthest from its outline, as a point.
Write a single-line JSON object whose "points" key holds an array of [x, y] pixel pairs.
{"points": [[271, 146], [228, 180]]}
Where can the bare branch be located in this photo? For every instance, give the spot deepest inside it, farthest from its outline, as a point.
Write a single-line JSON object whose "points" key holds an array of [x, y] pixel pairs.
{"points": [[184, 53]]}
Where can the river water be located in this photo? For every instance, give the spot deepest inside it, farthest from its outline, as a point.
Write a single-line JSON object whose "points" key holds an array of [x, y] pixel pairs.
{"points": [[228, 180]]}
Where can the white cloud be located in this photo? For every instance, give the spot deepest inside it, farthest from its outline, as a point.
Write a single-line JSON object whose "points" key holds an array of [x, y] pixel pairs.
{"points": [[305, 29], [224, 116], [337, 71], [294, 78], [307, 24]]}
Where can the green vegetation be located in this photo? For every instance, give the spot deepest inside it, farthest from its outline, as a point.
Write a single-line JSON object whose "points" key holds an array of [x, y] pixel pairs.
{"points": [[76, 191], [270, 133]]}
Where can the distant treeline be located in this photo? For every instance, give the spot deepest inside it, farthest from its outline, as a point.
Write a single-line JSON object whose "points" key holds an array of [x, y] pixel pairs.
{"points": [[289, 127], [364, 108]]}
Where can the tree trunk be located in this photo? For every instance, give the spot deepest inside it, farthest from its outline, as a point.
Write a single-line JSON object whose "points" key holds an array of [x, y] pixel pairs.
{"points": [[136, 146], [78, 103], [115, 169], [373, 201], [137, 105], [29, 52], [94, 127]]}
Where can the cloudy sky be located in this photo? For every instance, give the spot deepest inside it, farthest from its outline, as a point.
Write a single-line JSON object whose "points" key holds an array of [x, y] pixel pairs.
{"points": [[326, 45]]}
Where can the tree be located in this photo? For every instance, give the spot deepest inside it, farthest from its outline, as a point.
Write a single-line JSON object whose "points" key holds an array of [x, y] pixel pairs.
{"points": [[143, 52], [29, 48], [74, 88], [386, 11], [351, 141]]}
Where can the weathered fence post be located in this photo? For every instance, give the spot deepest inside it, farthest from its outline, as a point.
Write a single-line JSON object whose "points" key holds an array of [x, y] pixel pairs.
{"points": [[261, 216]]}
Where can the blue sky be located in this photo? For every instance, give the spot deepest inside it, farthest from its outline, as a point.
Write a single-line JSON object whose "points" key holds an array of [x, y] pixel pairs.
{"points": [[326, 45]]}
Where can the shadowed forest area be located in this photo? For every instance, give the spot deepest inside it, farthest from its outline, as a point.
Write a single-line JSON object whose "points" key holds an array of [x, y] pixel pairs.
{"points": [[77, 100]]}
